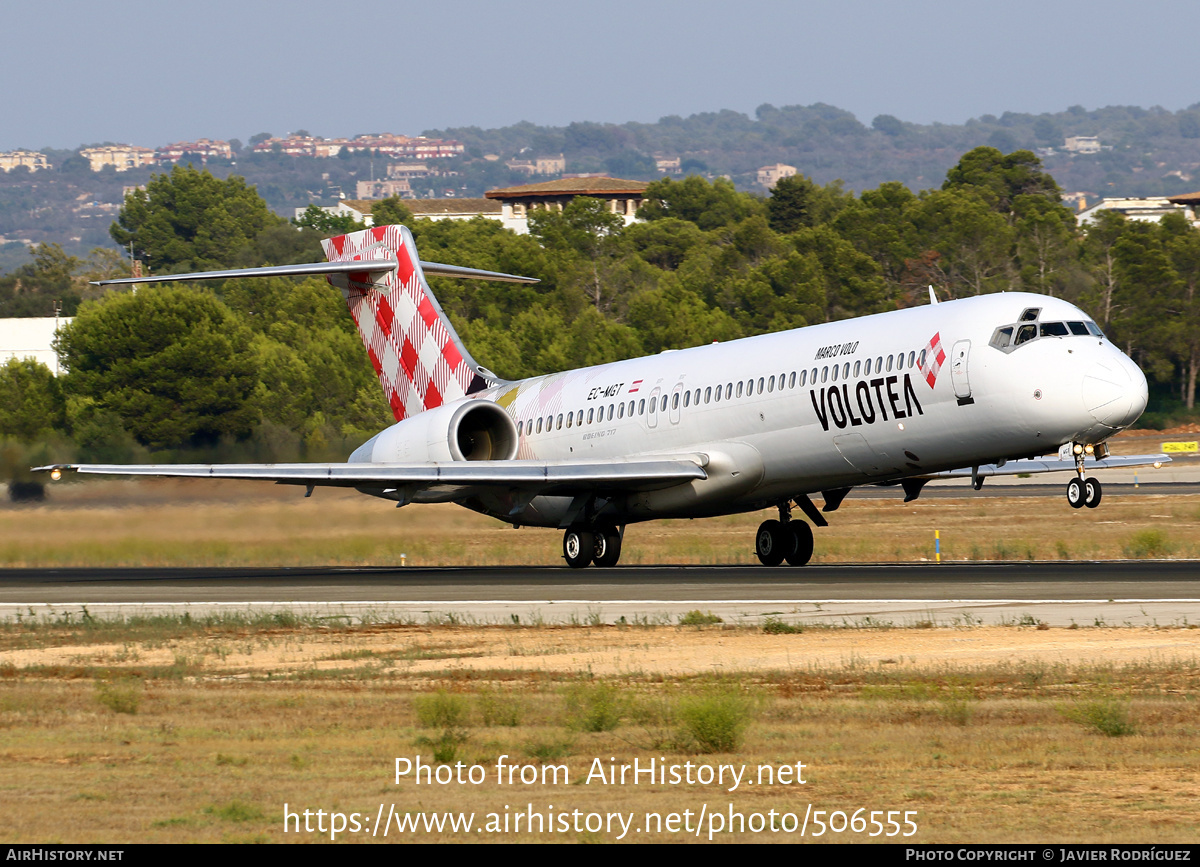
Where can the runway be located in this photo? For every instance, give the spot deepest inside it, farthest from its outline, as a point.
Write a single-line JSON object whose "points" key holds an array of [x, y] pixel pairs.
{"points": [[1115, 593]]}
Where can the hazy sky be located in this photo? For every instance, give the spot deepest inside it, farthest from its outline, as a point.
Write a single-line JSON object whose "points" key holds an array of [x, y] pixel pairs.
{"points": [[148, 73]]}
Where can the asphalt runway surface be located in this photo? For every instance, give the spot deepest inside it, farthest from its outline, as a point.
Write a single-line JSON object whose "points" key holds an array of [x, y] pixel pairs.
{"points": [[1116, 593]]}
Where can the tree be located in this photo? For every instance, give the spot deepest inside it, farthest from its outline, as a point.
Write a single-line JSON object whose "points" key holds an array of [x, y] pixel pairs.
{"points": [[694, 199], [189, 220], [585, 231], [320, 220], [999, 179], [391, 212], [174, 364], [31, 400]]}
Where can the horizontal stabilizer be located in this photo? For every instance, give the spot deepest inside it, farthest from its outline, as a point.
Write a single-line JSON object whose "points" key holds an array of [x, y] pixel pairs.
{"points": [[1053, 465], [356, 266]]}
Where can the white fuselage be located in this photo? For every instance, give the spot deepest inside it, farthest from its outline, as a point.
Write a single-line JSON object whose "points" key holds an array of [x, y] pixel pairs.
{"points": [[826, 407]]}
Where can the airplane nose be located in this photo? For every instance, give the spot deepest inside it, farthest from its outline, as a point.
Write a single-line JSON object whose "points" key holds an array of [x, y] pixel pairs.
{"points": [[1115, 392]]}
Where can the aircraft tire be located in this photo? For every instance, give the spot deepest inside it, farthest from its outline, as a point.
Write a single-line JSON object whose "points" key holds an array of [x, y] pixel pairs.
{"points": [[607, 549], [1075, 494], [579, 546], [802, 543], [771, 543], [1092, 493]]}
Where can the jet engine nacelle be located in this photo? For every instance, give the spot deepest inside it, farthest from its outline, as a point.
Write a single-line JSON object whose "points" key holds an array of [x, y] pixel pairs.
{"points": [[469, 430]]}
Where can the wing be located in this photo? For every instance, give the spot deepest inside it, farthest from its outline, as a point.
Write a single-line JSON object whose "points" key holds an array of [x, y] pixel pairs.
{"points": [[535, 478], [1052, 465]]}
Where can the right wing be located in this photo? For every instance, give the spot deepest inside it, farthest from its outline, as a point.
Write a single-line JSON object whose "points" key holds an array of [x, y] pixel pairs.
{"points": [[536, 478]]}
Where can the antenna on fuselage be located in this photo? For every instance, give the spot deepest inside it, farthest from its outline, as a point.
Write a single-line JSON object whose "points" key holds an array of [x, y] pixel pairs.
{"points": [[932, 296]]}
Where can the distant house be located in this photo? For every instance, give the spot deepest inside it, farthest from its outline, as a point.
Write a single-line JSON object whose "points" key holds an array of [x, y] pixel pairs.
{"points": [[623, 197], [667, 165], [511, 205], [1149, 209], [428, 209], [383, 189], [32, 160], [1190, 202], [769, 176], [203, 148], [1082, 144], [120, 157], [31, 337]]}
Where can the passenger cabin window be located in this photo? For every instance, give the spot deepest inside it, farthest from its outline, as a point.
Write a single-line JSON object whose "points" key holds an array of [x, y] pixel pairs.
{"points": [[912, 358], [539, 424], [846, 370], [621, 410], [1029, 314], [559, 426], [708, 395], [520, 427], [760, 384], [642, 406], [591, 415], [675, 401], [792, 379], [739, 389]]}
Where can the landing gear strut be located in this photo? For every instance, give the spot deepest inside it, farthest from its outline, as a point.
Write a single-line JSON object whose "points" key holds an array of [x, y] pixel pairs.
{"points": [[784, 539], [600, 545], [1083, 491]]}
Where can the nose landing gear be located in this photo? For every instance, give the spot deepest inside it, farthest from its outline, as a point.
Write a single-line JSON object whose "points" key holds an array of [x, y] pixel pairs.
{"points": [[1083, 491]]}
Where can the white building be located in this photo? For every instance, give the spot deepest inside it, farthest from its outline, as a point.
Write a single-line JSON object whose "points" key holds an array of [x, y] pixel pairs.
{"points": [[31, 337], [769, 176], [1150, 209], [1082, 144]]}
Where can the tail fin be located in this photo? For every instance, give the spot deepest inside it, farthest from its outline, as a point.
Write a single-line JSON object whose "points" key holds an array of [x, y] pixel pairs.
{"points": [[420, 360]]}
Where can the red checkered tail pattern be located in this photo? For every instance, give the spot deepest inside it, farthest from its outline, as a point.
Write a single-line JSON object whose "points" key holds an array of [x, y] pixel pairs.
{"points": [[420, 360]]}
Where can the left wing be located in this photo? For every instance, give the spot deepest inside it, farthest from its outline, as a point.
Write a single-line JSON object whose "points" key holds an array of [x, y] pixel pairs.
{"points": [[559, 478], [1051, 465]]}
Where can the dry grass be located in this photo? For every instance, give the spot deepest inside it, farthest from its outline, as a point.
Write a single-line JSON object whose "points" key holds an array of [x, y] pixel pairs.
{"points": [[184, 733], [156, 523]]}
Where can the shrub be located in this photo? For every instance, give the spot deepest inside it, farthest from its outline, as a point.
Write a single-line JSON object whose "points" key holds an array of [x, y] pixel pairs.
{"points": [[775, 626], [696, 617], [124, 696], [497, 709], [595, 707], [1108, 715], [714, 722], [1148, 543], [440, 710]]}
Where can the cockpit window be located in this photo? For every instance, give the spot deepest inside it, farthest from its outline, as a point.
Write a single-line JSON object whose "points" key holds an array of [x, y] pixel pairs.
{"points": [[1025, 333], [1007, 338]]}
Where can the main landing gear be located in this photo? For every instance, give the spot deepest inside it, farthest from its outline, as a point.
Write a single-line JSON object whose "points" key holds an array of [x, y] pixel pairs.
{"points": [[784, 539], [599, 545], [1083, 491]]}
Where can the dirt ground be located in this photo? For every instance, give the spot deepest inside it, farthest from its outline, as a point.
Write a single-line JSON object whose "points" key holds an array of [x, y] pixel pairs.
{"points": [[418, 651]]}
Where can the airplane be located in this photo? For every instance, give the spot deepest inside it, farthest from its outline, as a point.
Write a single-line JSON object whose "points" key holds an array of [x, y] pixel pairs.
{"points": [[977, 387]]}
